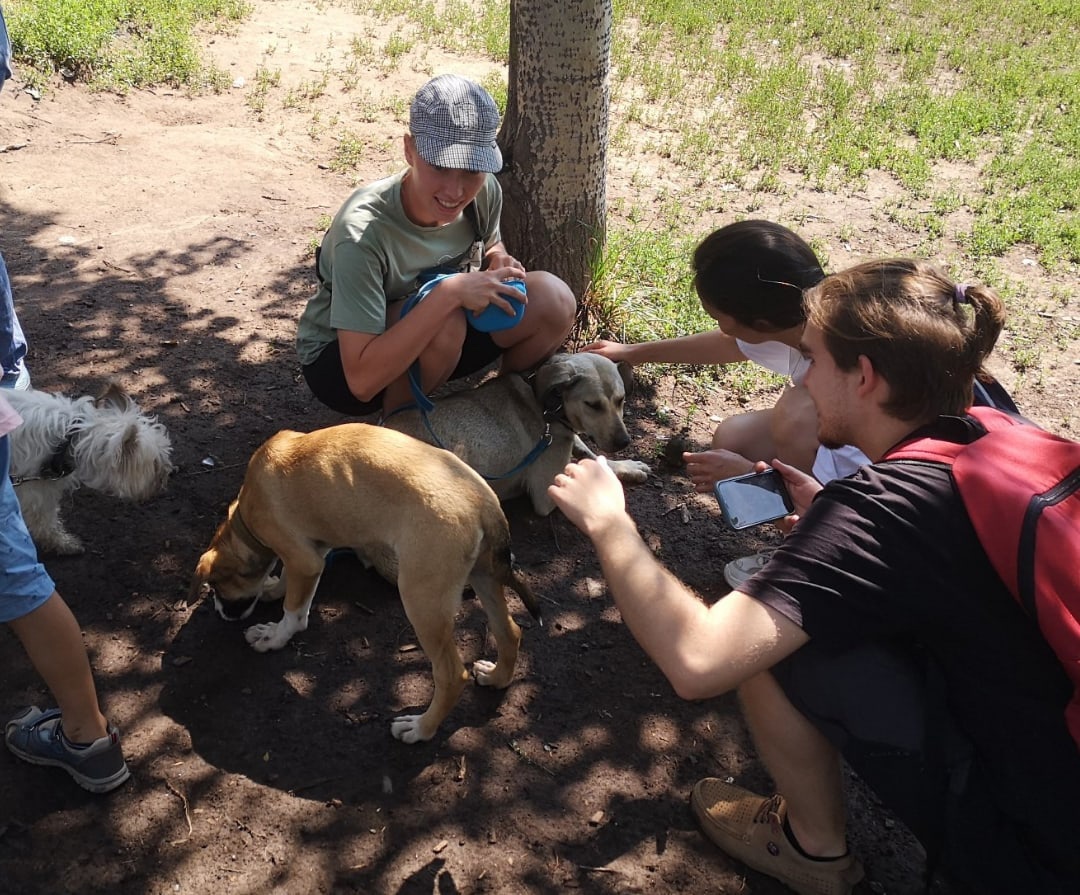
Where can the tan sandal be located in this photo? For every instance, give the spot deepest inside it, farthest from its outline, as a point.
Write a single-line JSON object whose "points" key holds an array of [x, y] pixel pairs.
{"points": [[750, 828]]}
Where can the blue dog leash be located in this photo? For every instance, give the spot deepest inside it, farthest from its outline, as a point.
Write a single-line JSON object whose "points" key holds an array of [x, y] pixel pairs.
{"points": [[423, 404], [419, 405]]}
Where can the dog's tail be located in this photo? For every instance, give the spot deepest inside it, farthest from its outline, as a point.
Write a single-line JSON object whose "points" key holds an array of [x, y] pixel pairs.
{"points": [[503, 562], [520, 587]]}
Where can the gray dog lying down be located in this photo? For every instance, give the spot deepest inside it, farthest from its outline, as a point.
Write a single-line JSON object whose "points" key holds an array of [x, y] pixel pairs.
{"points": [[496, 426], [419, 515]]}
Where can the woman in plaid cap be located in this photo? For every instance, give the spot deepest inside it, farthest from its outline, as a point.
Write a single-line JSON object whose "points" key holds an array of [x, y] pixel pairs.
{"points": [[439, 215]]}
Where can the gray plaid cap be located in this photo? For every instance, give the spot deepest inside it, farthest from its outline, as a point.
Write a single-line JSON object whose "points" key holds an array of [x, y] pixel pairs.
{"points": [[454, 122]]}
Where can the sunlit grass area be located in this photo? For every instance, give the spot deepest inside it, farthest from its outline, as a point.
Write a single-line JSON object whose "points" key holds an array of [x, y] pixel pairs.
{"points": [[117, 44], [775, 103]]}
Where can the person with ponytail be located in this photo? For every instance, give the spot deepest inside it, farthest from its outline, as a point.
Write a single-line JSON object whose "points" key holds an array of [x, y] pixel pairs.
{"points": [[879, 632], [750, 277]]}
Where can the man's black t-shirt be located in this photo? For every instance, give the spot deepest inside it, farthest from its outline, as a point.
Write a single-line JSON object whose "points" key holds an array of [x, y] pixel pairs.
{"points": [[890, 554]]}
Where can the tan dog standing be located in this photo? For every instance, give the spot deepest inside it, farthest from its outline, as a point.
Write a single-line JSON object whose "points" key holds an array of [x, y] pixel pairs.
{"points": [[418, 514]]}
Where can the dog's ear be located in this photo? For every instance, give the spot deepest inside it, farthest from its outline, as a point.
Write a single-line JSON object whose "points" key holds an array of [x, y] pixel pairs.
{"points": [[129, 447], [555, 374], [202, 575], [113, 396], [626, 373]]}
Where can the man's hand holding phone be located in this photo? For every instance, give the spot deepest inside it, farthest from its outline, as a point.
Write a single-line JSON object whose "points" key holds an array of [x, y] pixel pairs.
{"points": [[801, 487], [779, 493]]}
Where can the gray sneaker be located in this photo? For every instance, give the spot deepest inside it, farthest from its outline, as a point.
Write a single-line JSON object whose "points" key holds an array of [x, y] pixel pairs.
{"points": [[36, 736], [739, 571]]}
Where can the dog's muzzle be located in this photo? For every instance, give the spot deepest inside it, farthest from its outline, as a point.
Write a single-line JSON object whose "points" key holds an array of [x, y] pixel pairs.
{"points": [[233, 610]]}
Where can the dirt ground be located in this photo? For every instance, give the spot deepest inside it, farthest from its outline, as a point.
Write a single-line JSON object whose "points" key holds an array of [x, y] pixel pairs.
{"points": [[165, 241]]}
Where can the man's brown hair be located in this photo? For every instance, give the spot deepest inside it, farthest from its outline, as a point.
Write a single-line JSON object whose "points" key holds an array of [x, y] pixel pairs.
{"points": [[926, 335]]}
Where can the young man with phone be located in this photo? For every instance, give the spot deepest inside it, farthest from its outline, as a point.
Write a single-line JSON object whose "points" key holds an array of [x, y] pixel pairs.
{"points": [[878, 631]]}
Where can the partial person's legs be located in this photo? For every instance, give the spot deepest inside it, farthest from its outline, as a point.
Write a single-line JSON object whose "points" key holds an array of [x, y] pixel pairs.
{"points": [[437, 362], [549, 317], [787, 431], [53, 641], [325, 376], [798, 835], [75, 736], [804, 765]]}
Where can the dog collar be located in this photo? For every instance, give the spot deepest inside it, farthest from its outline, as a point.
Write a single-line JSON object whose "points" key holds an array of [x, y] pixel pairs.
{"points": [[245, 535], [60, 464], [555, 410]]}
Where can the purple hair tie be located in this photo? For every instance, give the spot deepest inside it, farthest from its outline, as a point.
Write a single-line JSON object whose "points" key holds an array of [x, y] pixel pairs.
{"points": [[961, 293]]}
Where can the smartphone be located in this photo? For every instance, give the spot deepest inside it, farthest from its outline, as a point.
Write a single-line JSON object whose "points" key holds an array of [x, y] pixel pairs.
{"points": [[754, 498]]}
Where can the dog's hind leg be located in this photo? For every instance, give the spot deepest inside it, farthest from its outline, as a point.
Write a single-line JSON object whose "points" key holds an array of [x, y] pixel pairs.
{"points": [[40, 506], [431, 608], [504, 629]]}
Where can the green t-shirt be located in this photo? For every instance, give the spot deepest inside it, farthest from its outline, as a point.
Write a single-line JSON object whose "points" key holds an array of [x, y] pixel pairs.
{"points": [[372, 255]]}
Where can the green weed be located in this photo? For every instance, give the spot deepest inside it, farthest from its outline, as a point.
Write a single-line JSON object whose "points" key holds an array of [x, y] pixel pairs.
{"points": [[120, 44]]}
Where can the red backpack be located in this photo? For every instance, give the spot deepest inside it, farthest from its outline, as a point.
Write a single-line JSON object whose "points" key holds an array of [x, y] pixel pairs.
{"points": [[1020, 486]]}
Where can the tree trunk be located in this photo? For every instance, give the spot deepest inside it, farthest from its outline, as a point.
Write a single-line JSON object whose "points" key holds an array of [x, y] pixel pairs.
{"points": [[554, 135]]}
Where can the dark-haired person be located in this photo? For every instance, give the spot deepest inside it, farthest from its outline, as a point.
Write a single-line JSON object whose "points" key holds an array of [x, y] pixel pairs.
{"points": [[750, 277], [879, 630], [439, 214]]}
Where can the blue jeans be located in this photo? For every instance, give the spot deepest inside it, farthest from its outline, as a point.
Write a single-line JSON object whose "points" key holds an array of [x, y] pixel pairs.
{"points": [[24, 583]]}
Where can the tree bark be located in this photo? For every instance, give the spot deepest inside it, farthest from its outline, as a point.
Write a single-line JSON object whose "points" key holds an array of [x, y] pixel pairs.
{"points": [[554, 135]]}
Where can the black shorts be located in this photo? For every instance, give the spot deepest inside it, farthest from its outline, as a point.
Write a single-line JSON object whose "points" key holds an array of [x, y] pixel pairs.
{"points": [[885, 709], [326, 377]]}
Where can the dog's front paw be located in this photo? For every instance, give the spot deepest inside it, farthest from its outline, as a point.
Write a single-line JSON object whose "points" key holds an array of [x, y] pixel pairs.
{"points": [[263, 638], [273, 588], [410, 729], [488, 674], [630, 472], [68, 548], [60, 543]]}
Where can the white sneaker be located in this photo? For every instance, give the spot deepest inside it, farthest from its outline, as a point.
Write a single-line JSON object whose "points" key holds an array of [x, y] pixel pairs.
{"points": [[739, 571]]}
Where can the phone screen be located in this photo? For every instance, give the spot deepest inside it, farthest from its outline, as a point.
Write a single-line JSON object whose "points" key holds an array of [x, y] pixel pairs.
{"points": [[752, 499]]}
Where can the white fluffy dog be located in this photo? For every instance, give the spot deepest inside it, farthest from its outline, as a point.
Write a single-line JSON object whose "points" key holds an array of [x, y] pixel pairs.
{"points": [[106, 444]]}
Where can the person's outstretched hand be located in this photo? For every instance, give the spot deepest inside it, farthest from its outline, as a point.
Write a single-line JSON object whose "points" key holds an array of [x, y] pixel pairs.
{"points": [[590, 496], [613, 351]]}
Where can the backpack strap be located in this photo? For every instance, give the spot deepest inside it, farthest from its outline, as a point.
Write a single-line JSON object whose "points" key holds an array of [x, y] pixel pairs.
{"points": [[941, 442], [472, 214], [475, 258]]}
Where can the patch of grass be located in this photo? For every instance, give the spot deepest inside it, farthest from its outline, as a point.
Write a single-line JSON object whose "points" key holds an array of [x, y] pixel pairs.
{"points": [[265, 80], [348, 154], [119, 44], [306, 93], [641, 288], [749, 94]]}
